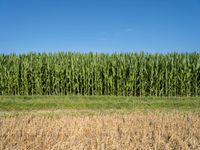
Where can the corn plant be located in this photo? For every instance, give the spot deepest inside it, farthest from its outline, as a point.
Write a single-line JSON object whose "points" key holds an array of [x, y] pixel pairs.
{"points": [[127, 74]]}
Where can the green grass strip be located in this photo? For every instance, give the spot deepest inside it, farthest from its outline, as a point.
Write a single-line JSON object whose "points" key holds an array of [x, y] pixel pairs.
{"points": [[24, 103]]}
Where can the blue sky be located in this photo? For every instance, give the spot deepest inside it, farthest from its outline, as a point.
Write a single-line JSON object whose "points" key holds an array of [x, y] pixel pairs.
{"points": [[99, 25]]}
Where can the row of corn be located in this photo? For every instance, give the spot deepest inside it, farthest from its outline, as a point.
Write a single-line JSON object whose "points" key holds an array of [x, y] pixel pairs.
{"points": [[127, 74]]}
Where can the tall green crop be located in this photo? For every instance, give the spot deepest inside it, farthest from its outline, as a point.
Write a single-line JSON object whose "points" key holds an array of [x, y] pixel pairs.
{"points": [[127, 74]]}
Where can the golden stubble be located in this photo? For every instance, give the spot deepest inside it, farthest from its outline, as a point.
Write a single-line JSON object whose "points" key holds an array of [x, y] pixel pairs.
{"points": [[99, 132]]}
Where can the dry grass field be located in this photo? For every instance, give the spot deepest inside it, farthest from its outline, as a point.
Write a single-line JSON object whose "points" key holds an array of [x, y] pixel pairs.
{"points": [[119, 131]]}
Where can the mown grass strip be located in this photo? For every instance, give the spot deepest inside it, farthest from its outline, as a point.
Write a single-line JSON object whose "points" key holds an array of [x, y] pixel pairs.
{"points": [[21, 103]]}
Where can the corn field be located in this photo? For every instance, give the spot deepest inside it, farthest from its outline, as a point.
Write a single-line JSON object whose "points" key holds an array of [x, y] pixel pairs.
{"points": [[127, 74]]}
